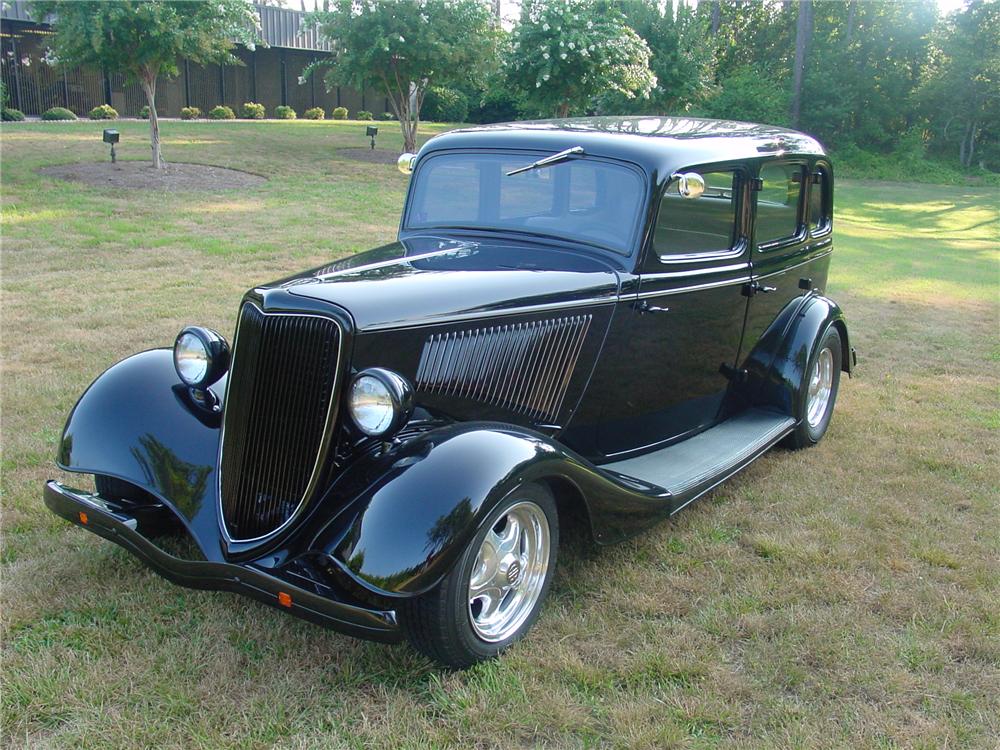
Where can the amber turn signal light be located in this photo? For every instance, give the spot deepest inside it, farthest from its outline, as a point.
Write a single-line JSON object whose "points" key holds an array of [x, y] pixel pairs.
{"points": [[83, 518], [284, 599]]}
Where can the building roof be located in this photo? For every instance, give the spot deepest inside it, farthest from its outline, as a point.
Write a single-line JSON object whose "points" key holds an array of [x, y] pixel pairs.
{"points": [[280, 27]]}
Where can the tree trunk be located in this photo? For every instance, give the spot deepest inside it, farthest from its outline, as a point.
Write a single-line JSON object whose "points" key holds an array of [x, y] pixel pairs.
{"points": [[563, 110], [147, 79], [851, 10], [716, 17], [803, 30]]}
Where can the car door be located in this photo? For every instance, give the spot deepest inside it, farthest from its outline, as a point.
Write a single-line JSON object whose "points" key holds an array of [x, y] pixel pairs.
{"points": [[685, 323], [791, 237]]}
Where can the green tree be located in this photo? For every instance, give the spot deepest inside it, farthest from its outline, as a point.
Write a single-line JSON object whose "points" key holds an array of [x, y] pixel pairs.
{"points": [[566, 52], [145, 38], [961, 89], [404, 48], [681, 57]]}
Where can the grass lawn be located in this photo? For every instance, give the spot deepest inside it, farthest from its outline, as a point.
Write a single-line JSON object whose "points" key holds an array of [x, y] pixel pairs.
{"points": [[843, 596]]}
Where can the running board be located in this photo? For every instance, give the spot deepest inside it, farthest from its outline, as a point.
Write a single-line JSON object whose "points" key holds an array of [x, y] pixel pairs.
{"points": [[692, 467]]}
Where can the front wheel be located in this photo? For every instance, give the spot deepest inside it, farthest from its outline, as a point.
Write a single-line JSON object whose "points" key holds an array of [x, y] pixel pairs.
{"points": [[493, 595], [818, 393]]}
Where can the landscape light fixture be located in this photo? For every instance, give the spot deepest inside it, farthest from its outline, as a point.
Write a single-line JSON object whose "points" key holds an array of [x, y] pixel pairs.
{"points": [[111, 136], [371, 131]]}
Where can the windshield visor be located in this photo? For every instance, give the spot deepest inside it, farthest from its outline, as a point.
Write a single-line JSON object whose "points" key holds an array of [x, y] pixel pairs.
{"points": [[584, 199]]}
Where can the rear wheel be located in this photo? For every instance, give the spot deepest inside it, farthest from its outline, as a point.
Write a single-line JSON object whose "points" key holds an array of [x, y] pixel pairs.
{"points": [[818, 393], [495, 592]]}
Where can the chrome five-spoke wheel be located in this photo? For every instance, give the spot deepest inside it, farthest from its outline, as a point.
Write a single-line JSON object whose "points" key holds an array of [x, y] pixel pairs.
{"points": [[509, 573], [494, 592], [820, 387]]}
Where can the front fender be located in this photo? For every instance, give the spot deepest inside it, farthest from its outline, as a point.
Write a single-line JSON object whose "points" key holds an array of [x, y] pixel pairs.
{"points": [[137, 422], [410, 525], [776, 367]]}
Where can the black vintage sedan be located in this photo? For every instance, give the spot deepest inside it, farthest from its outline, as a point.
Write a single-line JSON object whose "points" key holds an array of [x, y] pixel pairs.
{"points": [[605, 317]]}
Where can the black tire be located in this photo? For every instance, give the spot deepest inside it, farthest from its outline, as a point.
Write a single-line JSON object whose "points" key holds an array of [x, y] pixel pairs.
{"points": [[439, 623], [809, 432]]}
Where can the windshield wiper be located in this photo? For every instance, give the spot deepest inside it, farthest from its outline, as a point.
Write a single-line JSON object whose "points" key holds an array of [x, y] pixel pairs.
{"points": [[554, 159]]}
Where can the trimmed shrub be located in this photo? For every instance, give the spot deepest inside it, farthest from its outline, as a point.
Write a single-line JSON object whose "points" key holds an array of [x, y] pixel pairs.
{"points": [[314, 113], [58, 113], [445, 105], [253, 111], [365, 115], [103, 112], [190, 113], [496, 105], [387, 116], [221, 112], [282, 112], [339, 113], [144, 112], [12, 115]]}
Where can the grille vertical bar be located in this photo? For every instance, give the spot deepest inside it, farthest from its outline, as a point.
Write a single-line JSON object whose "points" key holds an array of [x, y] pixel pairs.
{"points": [[522, 367], [279, 408]]}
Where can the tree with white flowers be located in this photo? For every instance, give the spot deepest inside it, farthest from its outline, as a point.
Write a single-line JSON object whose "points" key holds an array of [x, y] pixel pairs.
{"points": [[566, 52]]}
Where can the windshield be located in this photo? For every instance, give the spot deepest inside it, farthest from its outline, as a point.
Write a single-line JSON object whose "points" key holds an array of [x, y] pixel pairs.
{"points": [[579, 199]]}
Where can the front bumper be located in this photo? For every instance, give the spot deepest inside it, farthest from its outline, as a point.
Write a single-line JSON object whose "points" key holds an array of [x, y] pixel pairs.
{"points": [[303, 598]]}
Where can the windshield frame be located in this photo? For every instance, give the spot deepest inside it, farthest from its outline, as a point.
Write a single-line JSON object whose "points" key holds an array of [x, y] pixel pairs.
{"points": [[630, 245]]}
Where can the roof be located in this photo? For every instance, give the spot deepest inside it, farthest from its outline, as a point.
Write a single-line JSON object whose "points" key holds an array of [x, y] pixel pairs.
{"points": [[280, 27], [653, 142]]}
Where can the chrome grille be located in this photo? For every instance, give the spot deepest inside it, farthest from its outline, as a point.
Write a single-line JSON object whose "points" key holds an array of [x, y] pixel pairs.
{"points": [[521, 367], [279, 410]]}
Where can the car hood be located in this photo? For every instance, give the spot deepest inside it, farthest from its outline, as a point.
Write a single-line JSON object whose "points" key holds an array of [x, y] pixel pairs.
{"points": [[428, 280]]}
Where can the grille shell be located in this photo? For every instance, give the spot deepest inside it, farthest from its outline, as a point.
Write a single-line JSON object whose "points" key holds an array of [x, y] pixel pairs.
{"points": [[280, 409]]}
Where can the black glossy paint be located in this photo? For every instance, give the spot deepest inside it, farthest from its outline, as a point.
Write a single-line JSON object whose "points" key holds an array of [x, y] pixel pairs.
{"points": [[388, 520]]}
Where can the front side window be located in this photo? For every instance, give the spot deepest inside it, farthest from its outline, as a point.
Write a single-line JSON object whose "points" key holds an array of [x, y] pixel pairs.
{"points": [[584, 199], [778, 202], [702, 225]]}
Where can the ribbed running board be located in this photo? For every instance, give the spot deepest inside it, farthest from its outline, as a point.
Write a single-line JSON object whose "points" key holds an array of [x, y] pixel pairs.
{"points": [[695, 465]]}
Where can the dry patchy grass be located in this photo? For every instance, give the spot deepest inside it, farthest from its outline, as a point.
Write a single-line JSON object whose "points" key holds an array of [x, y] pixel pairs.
{"points": [[843, 596]]}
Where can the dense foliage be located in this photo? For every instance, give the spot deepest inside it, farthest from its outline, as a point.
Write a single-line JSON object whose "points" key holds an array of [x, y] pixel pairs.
{"points": [[188, 113], [253, 111], [103, 112], [314, 113], [563, 54], [219, 112], [145, 38], [284, 112], [404, 48], [58, 113]]}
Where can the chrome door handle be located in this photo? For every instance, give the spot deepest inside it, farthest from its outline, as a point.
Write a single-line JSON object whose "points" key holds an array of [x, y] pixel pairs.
{"points": [[642, 307]]}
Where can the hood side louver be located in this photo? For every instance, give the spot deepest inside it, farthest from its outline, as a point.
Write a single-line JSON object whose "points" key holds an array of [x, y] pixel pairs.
{"points": [[524, 368]]}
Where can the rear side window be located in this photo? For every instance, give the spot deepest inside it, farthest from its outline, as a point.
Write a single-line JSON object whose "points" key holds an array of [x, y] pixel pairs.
{"points": [[703, 225], [778, 202], [819, 218]]}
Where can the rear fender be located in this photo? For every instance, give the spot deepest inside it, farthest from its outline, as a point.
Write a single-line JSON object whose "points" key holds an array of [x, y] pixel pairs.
{"points": [[775, 369]]}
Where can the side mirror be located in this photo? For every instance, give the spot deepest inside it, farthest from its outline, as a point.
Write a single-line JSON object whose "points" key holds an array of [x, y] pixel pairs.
{"points": [[689, 184], [406, 162]]}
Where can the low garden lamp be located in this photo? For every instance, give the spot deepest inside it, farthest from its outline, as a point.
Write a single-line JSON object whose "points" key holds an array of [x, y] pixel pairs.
{"points": [[111, 136], [371, 131]]}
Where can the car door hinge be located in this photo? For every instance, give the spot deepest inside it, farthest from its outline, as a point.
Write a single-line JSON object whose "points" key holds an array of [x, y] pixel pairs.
{"points": [[756, 184]]}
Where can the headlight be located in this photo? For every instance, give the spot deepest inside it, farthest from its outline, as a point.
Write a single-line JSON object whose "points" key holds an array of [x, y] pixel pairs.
{"points": [[201, 356], [380, 402]]}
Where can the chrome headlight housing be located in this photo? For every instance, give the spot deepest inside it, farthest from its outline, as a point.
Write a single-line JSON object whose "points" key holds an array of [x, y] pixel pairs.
{"points": [[201, 356], [379, 401]]}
